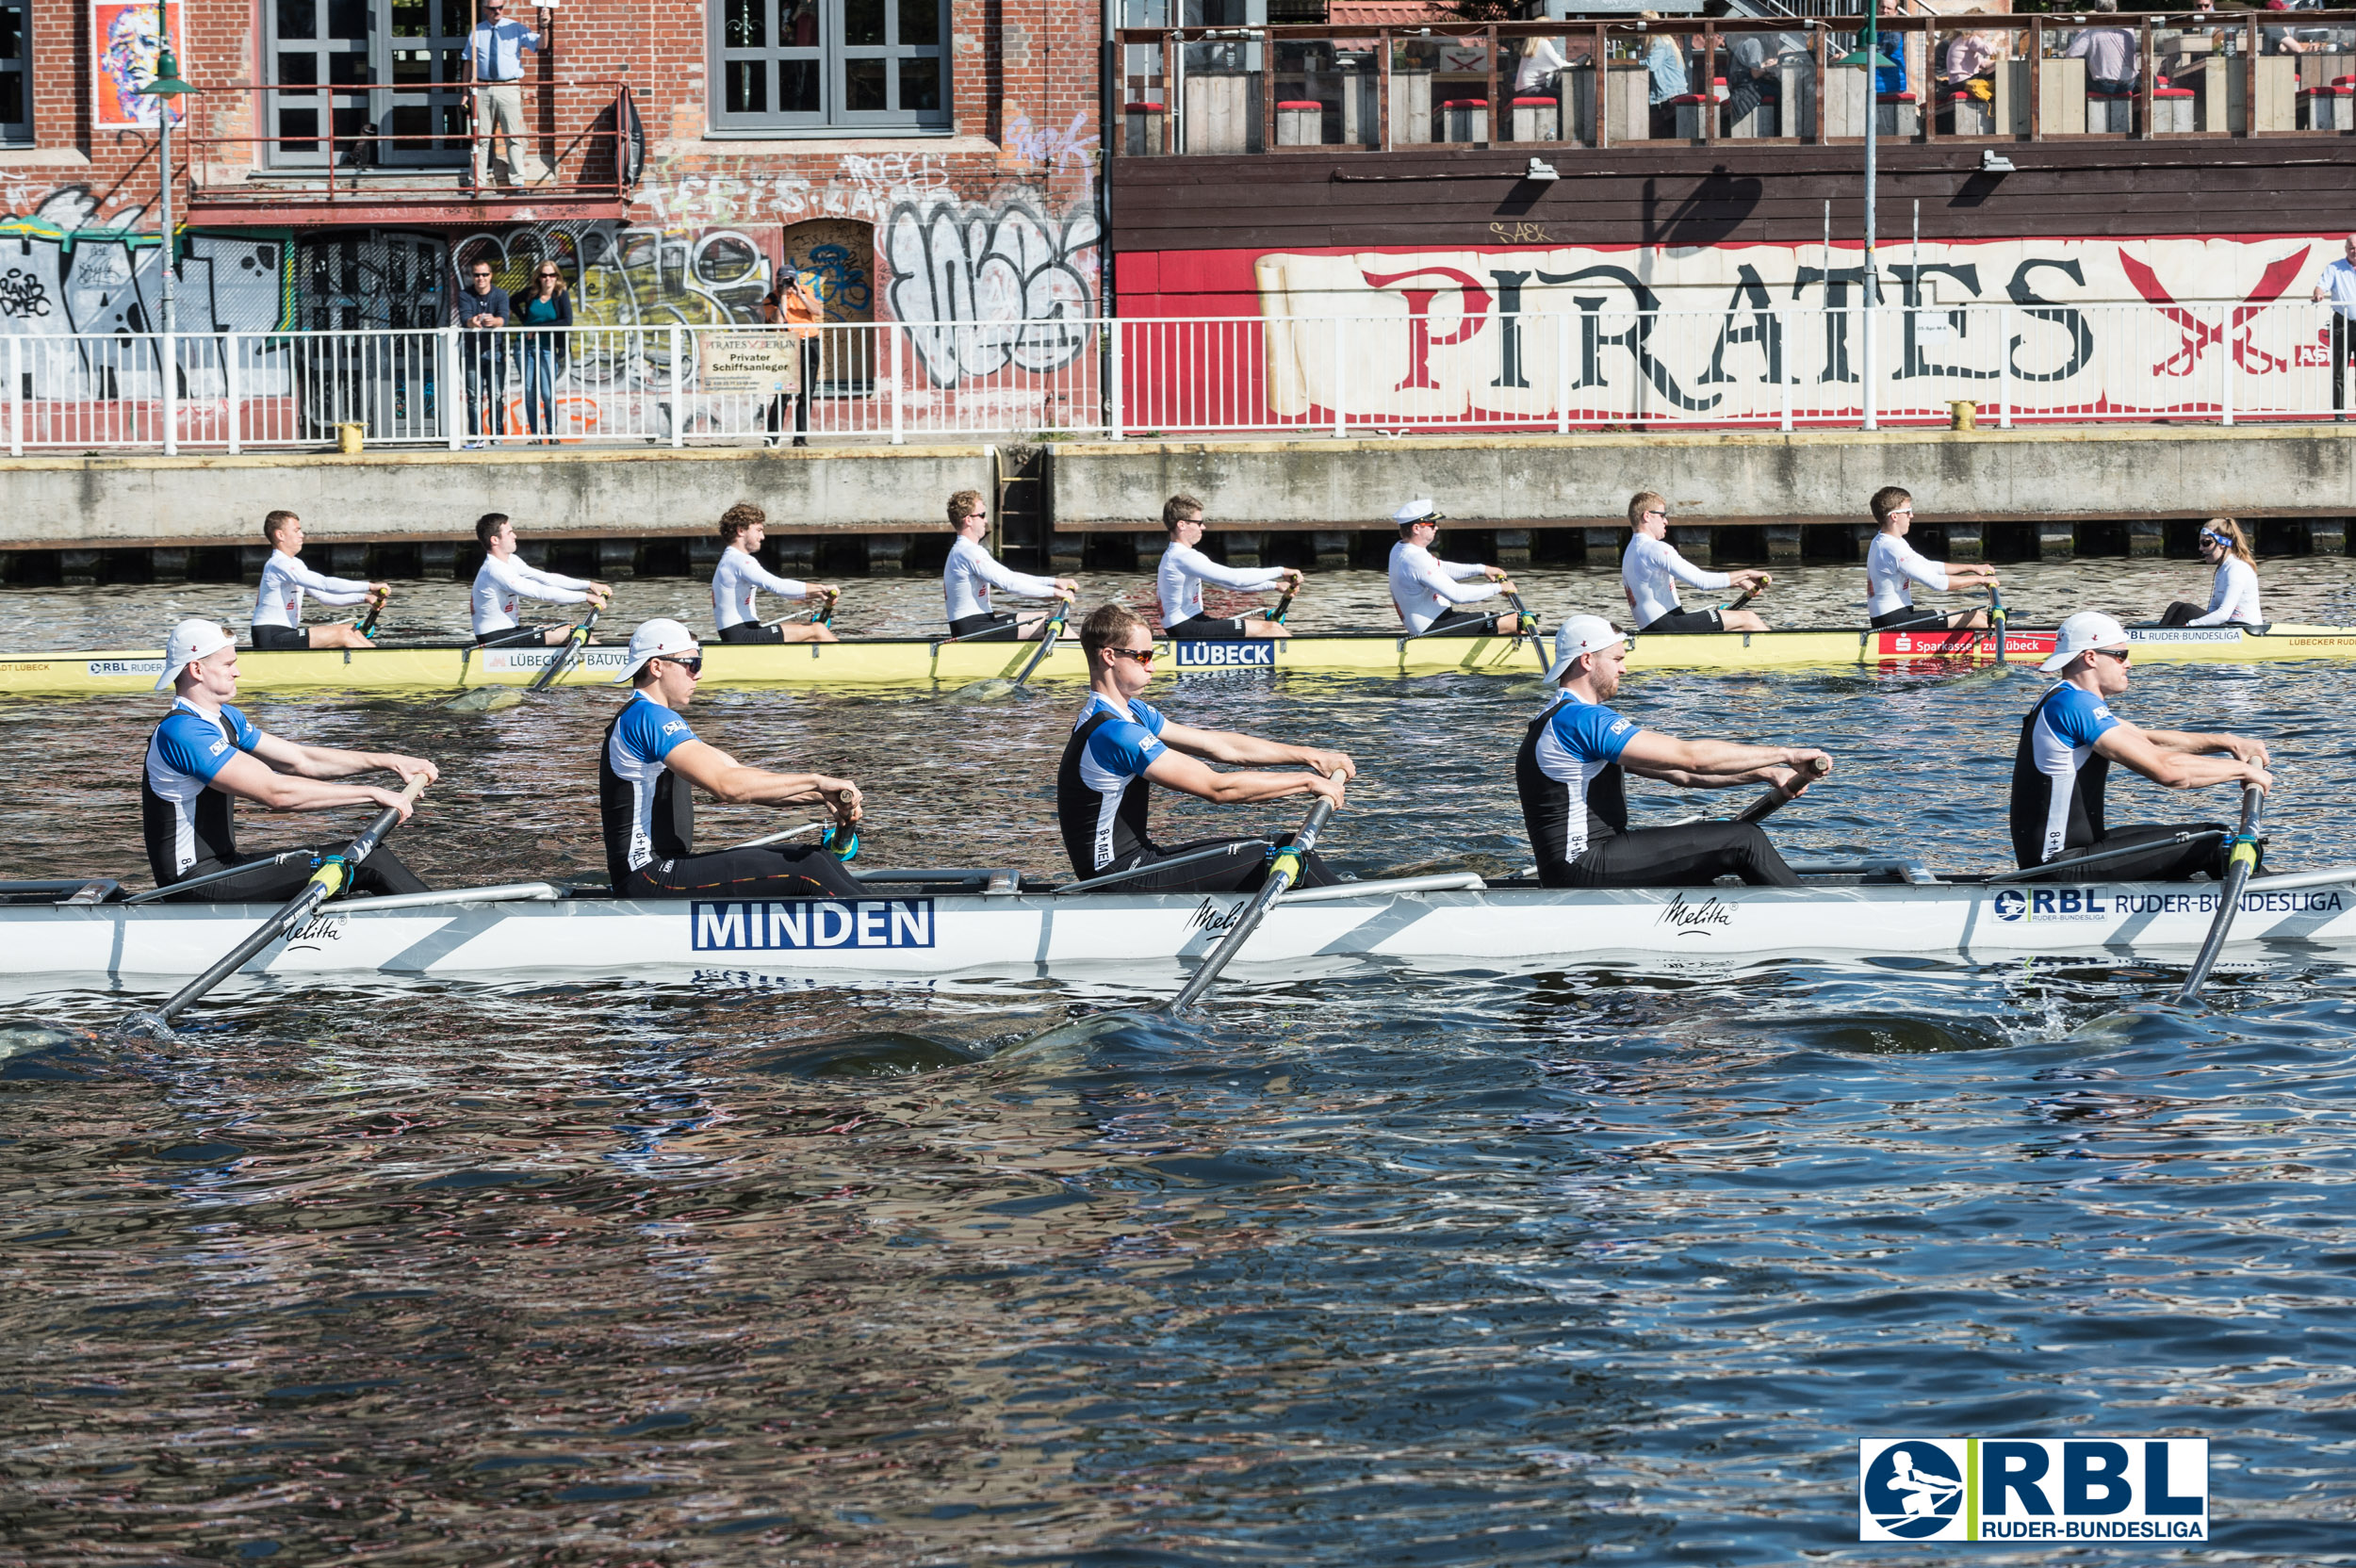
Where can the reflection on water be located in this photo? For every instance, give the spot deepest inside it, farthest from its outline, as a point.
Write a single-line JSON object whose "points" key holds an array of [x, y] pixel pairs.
{"points": [[1396, 1269]]}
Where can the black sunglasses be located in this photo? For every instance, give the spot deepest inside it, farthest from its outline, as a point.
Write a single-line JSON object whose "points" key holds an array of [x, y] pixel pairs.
{"points": [[1143, 656], [2120, 654], [693, 665]]}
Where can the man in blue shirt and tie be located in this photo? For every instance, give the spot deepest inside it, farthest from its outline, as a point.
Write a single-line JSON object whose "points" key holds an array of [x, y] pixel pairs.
{"points": [[495, 61]]}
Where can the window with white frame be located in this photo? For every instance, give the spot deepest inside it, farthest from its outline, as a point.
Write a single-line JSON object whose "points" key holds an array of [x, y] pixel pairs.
{"points": [[818, 65]]}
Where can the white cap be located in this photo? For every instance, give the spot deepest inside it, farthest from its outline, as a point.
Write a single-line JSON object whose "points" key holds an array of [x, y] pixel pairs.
{"points": [[655, 639], [190, 641], [1420, 510], [2088, 628], [1580, 634]]}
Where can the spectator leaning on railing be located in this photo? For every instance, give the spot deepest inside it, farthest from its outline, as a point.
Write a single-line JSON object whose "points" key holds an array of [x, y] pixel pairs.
{"points": [[2337, 288], [549, 306], [793, 303], [2110, 54], [481, 306], [495, 64]]}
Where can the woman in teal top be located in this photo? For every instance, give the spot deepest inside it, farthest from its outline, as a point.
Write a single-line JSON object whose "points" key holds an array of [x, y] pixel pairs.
{"points": [[548, 304]]}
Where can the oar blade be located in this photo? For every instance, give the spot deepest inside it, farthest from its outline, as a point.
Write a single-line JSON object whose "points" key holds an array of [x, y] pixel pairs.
{"points": [[483, 699]]}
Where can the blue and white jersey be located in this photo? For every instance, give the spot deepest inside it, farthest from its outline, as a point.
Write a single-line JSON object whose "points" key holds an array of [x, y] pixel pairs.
{"points": [[1101, 789], [186, 820], [648, 811], [2057, 779], [285, 579], [1568, 774]]}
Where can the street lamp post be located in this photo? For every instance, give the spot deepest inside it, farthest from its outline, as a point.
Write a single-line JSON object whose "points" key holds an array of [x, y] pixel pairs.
{"points": [[166, 87], [1872, 61]]}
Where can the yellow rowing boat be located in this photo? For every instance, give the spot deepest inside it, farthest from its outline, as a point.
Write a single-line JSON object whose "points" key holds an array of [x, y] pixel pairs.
{"points": [[889, 661]]}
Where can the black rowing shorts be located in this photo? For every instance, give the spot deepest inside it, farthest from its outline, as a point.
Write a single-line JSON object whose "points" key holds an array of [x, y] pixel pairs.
{"points": [[1679, 621], [990, 625], [1910, 618], [752, 631], [1208, 628], [519, 636], [1461, 623], [280, 639]]}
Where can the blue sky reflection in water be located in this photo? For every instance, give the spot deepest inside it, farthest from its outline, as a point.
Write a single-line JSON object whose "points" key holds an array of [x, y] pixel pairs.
{"points": [[1384, 1268]]}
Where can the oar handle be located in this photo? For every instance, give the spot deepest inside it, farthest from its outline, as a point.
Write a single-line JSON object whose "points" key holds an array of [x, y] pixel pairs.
{"points": [[1996, 619], [1047, 639], [367, 625], [564, 652], [1282, 871], [1776, 799], [2239, 863]]}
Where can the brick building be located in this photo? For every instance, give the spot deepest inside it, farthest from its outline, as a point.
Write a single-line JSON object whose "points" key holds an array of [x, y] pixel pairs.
{"points": [[931, 159]]}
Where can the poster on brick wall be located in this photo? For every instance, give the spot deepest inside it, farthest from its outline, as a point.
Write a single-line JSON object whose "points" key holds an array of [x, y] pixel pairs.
{"points": [[127, 41]]}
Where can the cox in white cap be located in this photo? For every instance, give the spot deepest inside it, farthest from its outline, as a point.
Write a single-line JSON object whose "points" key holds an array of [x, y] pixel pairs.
{"points": [[2085, 631], [190, 641], [1420, 510], [1582, 634], [660, 638]]}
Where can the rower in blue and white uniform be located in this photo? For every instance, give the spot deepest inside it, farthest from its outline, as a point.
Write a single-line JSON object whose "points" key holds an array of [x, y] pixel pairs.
{"points": [[278, 604], [2068, 744], [206, 754], [1121, 745], [1184, 570], [1428, 593], [1890, 563], [740, 579], [1652, 568], [1569, 774], [645, 764], [503, 581], [972, 571]]}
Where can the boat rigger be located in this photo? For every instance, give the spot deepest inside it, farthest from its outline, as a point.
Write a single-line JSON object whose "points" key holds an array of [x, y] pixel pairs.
{"points": [[915, 662]]}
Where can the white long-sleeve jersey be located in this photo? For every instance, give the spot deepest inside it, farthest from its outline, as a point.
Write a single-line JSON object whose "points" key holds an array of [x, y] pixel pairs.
{"points": [[1186, 569], [740, 577], [971, 574], [285, 579], [1889, 564], [1652, 568], [501, 584], [2234, 596], [1425, 587]]}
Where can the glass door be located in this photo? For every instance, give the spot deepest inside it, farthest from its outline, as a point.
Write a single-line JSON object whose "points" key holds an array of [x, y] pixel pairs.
{"points": [[315, 45], [426, 65]]}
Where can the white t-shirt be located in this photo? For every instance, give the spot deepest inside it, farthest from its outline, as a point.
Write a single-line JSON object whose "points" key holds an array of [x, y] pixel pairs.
{"points": [[1425, 587], [1889, 565], [2234, 596], [739, 577], [1652, 568], [1186, 569], [972, 572], [285, 579], [501, 584]]}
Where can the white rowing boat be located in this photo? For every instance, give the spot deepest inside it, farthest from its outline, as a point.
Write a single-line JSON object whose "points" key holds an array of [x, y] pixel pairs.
{"points": [[984, 922]]}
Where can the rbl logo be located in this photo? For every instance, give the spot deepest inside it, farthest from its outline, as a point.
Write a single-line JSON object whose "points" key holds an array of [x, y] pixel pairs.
{"points": [[2033, 1489]]}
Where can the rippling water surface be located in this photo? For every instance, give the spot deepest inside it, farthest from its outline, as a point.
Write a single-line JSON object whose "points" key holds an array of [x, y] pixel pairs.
{"points": [[1495, 1268]]}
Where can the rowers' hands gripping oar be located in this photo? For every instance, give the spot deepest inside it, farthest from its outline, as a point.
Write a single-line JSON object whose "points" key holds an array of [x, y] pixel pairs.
{"points": [[843, 799], [1293, 584], [1806, 768], [378, 594], [1759, 583]]}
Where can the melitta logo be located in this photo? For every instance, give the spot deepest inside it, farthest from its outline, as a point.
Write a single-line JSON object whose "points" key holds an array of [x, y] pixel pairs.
{"points": [[2033, 1489], [2051, 903], [1258, 653]]}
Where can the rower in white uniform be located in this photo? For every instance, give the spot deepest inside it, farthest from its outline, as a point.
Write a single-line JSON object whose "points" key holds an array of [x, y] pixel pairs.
{"points": [[973, 571], [206, 754], [2233, 591], [1892, 564], [740, 579], [1652, 568], [1569, 774], [1427, 590], [1184, 570], [278, 604], [1121, 746], [2068, 744], [504, 581]]}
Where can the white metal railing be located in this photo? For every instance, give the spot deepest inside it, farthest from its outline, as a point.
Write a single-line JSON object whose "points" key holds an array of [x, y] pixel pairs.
{"points": [[1423, 363]]}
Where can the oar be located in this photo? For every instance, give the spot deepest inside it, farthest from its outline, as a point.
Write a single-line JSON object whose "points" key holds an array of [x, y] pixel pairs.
{"points": [[1776, 800], [776, 837], [571, 645], [1279, 876], [1046, 641], [1277, 614], [2243, 861], [171, 888], [1996, 619], [367, 627], [326, 882], [1525, 625]]}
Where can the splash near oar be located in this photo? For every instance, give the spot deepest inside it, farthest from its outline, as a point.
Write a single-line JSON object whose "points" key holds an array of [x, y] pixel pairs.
{"points": [[2240, 864], [1282, 873], [334, 875]]}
